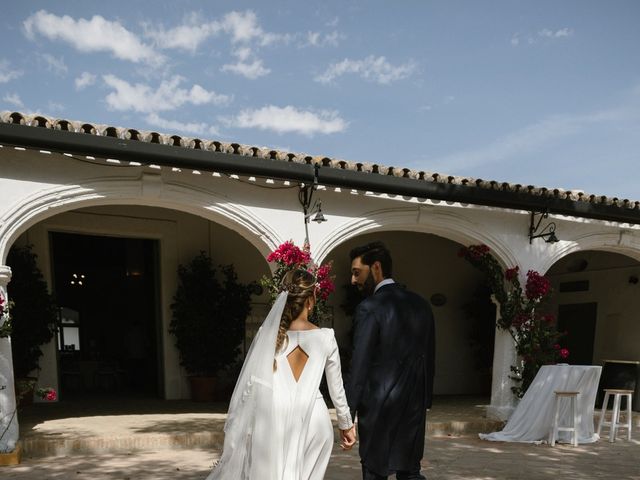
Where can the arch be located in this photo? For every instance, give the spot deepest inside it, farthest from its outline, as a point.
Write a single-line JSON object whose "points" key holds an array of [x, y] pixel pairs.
{"points": [[623, 242], [446, 224], [147, 190]]}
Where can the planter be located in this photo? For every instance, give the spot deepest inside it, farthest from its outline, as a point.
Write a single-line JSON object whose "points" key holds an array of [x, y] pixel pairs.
{"points": [[11, 458], [202, 389]]}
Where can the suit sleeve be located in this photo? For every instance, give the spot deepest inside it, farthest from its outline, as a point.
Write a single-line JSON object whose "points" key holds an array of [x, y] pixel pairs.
{"points": [[365, 339], [430, 358]]}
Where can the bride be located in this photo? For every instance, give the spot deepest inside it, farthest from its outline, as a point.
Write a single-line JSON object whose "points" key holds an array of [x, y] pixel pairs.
{"points": [[278, 426]]}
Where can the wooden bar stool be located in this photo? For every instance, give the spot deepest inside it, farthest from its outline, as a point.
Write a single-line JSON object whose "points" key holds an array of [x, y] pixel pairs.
{"points": [[555, 428], [615, 424]]}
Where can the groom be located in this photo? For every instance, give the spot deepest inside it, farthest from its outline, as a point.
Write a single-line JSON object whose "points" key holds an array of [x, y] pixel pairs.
{"points": [[391, 379]]}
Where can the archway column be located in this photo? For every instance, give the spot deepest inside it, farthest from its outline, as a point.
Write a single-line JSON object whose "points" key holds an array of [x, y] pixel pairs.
{"points": [[504, 356], [8, 409]]}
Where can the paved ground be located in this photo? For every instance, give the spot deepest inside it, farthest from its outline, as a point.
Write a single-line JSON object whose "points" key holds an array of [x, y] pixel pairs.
{"points": [[148, 439], [446, 458]]}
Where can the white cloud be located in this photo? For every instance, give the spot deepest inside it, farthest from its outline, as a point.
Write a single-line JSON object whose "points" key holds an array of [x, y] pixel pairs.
{"points": [[174, 126], [56, 107], [94, 35], [7, 73], [188, 36], [562, 33], [168, 96], [84, 80], [545, 34], [53, 64], [242, 26], [289, 120], [13, 99], [371, 68], [318, 39], [252, 70], [533, 138], [244, 66], [333, 23]]}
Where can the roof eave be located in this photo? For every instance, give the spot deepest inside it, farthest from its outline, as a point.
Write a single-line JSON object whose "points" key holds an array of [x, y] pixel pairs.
{"points": [[206, 160]]}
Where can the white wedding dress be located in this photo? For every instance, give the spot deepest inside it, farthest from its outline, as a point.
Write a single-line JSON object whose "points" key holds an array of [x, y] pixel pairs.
{"points": [[278, 426]]}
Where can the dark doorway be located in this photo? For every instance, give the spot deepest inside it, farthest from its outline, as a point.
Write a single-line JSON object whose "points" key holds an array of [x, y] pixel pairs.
{"points": [[108, 337], [579, 320]]}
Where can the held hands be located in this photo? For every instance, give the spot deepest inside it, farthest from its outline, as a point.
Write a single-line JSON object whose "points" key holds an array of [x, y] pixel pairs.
{"points": [[348, 438]]}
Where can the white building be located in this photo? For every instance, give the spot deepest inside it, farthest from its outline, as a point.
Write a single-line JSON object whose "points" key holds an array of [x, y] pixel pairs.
{"points": [[62, 181]]}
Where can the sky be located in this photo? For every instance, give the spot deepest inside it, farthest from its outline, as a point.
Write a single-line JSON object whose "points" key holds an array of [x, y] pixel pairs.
{"points": [[543, 92]]}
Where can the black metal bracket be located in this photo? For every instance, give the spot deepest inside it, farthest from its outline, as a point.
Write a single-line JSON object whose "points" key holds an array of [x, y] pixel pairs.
{"points": [[548, 232]]}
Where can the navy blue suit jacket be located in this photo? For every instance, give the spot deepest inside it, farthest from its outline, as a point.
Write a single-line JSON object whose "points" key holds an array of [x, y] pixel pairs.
{"points": [[390, 384]]}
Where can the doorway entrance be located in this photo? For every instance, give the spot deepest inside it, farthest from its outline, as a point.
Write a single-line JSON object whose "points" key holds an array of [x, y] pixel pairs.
{"points": [[579, 320], [108, 340]]}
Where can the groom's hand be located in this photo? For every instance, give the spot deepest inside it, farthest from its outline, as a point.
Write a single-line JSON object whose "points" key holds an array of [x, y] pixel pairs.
{"points": [[348, 438]]}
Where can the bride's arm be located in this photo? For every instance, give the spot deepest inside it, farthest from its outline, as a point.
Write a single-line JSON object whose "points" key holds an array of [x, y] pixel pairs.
{"points": [[336, 386]]}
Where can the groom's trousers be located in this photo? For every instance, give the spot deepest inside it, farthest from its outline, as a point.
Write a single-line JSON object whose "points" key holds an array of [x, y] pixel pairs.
{"points": [[369, 475]]}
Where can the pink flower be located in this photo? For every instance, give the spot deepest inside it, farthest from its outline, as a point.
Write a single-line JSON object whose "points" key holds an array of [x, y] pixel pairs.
{"points": [[556, 347], [511, 273], [564, 353], [289, 254], [48, 394], [537, 285]]}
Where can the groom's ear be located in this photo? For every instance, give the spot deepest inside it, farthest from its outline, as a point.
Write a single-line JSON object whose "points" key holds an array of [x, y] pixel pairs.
{"points": [[376, 271]]}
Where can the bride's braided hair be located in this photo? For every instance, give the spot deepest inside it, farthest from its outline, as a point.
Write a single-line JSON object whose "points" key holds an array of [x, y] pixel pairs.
{"points": [[300, 284]]}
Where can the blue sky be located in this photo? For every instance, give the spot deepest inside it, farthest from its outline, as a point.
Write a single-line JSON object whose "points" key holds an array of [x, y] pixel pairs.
{"points": [[534, 92]]}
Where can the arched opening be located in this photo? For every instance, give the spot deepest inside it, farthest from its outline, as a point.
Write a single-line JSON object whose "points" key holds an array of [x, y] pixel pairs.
{"points": [[113, 338], [465, 317], [597, 300], [597, 297]]}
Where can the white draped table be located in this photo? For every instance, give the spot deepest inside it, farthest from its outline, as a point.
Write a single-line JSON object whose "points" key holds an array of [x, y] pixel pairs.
{"points": [[531, 421]]}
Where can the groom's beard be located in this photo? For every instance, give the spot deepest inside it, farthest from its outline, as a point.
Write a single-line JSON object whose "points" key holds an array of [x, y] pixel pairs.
{"points": [[368, 287]]}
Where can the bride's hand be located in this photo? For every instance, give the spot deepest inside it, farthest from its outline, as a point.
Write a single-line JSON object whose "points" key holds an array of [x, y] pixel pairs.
{"points": [[348, 438]]}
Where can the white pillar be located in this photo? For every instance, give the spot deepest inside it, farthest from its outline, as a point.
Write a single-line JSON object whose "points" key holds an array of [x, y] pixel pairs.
{"points": [[8, 410], [504, 356]]}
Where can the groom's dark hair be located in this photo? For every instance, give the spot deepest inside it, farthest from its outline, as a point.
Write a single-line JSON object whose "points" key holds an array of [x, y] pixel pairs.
{"points": [[374, 252]]}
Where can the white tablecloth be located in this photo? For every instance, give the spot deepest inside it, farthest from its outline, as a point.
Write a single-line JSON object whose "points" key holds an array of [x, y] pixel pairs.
{"points": [[532, 419]]}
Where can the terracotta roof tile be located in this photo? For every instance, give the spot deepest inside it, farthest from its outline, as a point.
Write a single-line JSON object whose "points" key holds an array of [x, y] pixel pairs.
{"points": [[40, 121]]}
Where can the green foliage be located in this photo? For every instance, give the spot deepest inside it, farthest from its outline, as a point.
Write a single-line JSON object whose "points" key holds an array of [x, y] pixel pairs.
{"points": [[5, 317], [34, 313], [208, 315]]}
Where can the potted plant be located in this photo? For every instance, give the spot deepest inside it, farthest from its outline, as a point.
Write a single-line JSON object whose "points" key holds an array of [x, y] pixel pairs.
{"points": [[33, 318], [209, 311]]}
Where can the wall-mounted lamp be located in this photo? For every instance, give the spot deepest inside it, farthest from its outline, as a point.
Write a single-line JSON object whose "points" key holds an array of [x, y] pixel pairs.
{"points": [[317, 209], [548, 232], [305, 196]]}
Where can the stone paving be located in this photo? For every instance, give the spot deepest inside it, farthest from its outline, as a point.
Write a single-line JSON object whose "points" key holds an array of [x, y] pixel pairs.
{"points": [[446, 458], [448, 455]]}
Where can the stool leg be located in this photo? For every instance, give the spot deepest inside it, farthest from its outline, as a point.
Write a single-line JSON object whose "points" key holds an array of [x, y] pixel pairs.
{"points": [[603, 411], [554, 429], [629, 416], [574, 408], [615, 417]]}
